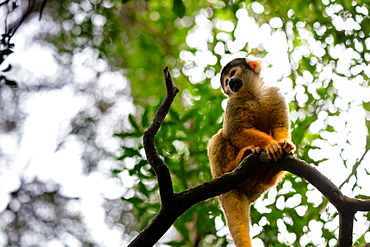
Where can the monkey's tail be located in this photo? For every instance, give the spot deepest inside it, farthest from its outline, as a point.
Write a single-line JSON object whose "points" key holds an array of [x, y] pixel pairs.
{"points": [[236, 208]]}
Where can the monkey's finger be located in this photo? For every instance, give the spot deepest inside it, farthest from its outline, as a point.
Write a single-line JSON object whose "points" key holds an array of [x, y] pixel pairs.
{"points": [[275, 156], [287, 148], [291, 148], [279, 152], [269, 156], [274, 147], [273, 150], [284, 145]]}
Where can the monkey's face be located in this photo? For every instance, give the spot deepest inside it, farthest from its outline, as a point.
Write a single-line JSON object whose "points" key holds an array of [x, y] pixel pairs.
{"points": [[240, 76]]}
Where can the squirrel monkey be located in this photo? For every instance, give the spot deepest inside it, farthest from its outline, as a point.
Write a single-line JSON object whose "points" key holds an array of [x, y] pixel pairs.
{"points": [[256, 119]]}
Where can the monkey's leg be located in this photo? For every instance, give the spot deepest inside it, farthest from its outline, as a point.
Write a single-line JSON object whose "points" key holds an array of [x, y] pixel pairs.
{"points": [[236, 208], [221, 155]]}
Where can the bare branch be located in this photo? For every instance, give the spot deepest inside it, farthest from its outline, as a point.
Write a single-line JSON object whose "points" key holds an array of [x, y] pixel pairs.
{"points": [[159, 166]]}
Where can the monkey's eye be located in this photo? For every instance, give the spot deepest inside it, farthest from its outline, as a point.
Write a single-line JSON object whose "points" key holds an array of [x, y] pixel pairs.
{"points": [[232, 73]]}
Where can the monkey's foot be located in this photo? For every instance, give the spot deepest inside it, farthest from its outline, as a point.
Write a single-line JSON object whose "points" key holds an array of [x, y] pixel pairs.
{"points": [[287, 146], [244, 152]]}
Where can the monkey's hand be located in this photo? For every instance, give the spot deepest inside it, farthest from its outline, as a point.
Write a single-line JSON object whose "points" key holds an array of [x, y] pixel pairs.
{"points": [[244, 152], [274, 151], [253, 149], [287, 146]]}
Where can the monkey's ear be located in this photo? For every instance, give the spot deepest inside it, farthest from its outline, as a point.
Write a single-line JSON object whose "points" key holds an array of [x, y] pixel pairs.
{"points": [[255, 64]]}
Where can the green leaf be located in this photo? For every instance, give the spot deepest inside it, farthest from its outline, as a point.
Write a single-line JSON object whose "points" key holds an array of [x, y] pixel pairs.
{"points": [[134, 124], [125, 135], [133, 200], [364, 197], [366, 106], [330, 128], [128, 152], [145, 117], [178, 8], [176, 243], [116, 171]]}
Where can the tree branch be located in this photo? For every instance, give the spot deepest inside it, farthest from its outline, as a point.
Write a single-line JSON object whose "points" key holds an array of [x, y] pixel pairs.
{"points": [[159, 166], [173, 205]]}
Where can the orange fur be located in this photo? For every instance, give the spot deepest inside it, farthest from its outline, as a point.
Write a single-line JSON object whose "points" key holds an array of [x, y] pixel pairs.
{"points": [[256, 119]]}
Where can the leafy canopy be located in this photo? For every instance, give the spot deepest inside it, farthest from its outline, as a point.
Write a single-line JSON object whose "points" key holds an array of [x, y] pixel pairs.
{"points": [[317, 51]]}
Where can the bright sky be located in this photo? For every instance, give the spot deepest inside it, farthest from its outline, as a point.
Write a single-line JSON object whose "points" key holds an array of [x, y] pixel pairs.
{"points": [[51, 112]]}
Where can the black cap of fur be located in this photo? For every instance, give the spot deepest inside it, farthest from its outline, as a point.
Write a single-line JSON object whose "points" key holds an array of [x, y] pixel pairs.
{"points": [[236, 62]]}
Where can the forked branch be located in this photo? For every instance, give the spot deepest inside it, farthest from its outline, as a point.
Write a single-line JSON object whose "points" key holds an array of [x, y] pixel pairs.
{"points": [[175, 204]]}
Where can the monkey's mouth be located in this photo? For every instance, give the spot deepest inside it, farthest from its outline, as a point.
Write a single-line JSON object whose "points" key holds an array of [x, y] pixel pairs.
{"points": [[235, 84]]}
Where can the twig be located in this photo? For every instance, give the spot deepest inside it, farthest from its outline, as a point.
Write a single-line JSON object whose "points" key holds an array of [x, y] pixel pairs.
{"points": [[354, 168]]}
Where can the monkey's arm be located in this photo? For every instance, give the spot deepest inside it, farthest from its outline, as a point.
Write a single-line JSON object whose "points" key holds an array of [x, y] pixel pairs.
{"points": [[254, 139], [280, 131], [280, 124]]}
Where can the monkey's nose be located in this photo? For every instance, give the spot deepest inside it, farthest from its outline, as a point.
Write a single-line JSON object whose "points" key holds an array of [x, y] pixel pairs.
{"points": [[235, 84]]}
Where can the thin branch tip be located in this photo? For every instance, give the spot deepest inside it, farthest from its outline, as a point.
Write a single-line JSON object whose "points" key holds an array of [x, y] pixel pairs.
{"points": [[167, 74], [170, 85]]}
